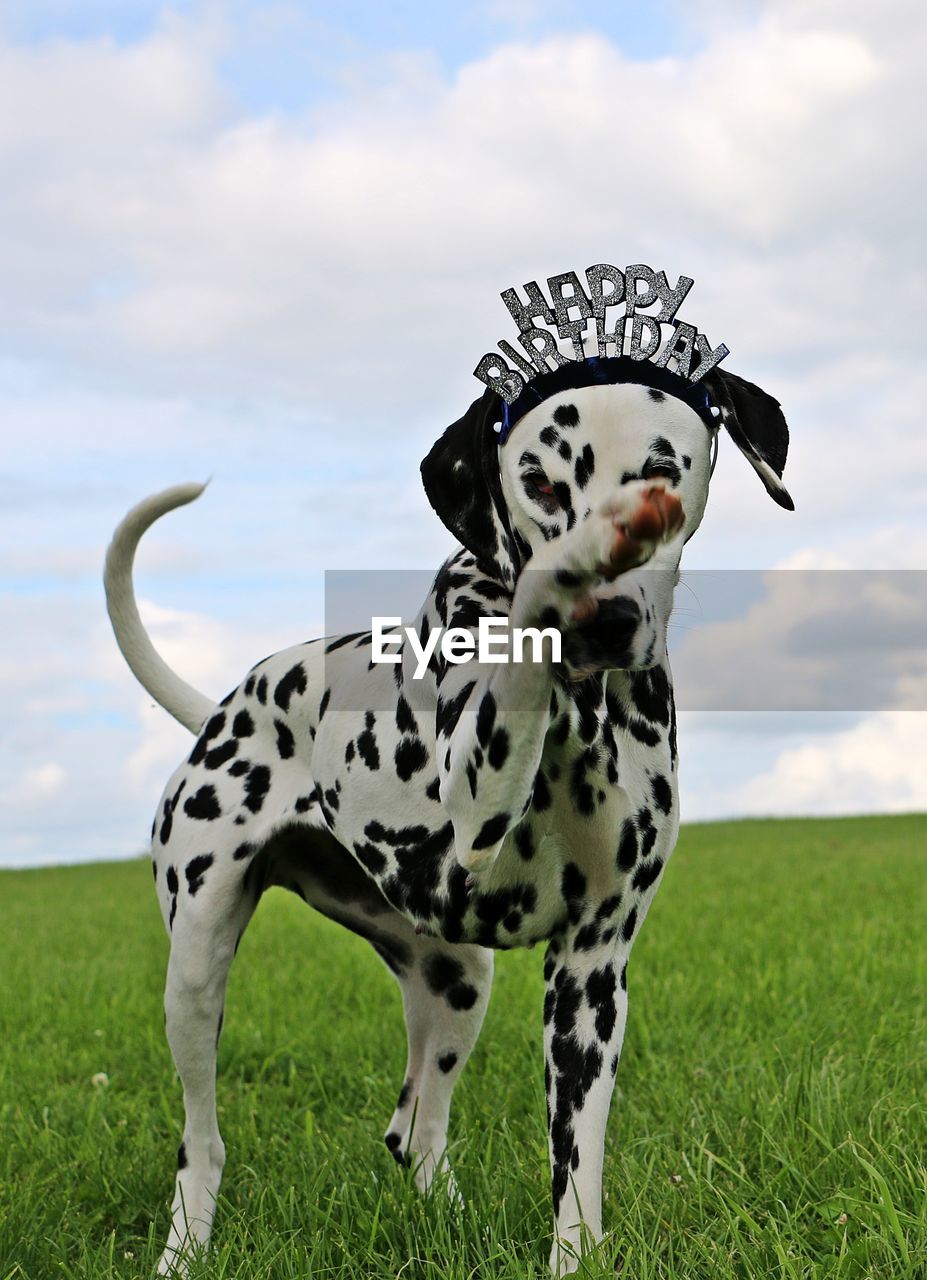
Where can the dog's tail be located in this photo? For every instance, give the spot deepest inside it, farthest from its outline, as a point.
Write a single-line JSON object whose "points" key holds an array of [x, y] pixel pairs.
{"points": [[180, 699]]}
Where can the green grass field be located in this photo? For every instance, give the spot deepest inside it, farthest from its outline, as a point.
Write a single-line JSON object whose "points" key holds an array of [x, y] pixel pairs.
{"points": [[770, 1117]]}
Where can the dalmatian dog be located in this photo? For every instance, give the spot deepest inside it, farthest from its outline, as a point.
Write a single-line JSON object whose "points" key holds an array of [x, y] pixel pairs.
{"points": [[480, 807]]}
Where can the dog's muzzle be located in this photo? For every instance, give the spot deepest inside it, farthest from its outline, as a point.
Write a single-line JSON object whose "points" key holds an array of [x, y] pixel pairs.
{"points": [[606, 641]]}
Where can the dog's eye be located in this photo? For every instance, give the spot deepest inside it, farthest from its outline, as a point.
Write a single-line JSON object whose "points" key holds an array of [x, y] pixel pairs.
{"points": [[540, 489], [661, 471]]}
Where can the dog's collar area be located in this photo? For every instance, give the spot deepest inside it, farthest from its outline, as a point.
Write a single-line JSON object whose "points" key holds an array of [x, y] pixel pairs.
{"points": [[606, 371]]}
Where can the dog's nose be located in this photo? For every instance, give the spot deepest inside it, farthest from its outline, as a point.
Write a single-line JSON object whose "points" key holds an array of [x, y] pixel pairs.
{"points": [[604, 640]]}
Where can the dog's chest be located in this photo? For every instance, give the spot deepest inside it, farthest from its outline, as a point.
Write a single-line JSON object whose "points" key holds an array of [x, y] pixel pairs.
{"points": [[602, 803], [599, 815]]}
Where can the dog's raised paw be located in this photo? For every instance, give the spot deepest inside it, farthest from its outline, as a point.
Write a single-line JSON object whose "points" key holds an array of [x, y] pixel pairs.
{"points": [[653, 515]]}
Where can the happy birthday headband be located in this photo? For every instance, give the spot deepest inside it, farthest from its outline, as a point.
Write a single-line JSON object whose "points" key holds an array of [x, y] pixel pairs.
{"points": [[633, 350]]}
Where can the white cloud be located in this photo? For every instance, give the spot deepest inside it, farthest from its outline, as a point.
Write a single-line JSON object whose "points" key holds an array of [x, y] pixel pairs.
{"points": [[176, 231], [879, 764], [35, 786], [803, 640]]}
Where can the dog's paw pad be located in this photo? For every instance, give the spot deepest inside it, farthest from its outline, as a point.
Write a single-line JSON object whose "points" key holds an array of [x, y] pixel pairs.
{"points": [[656, 516]]}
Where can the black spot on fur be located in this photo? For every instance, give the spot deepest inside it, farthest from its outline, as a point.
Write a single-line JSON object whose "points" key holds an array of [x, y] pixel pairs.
{"points": [[608, 907], [566, 415], [293, 682], [213, 728], [449, 711], [367, 744], [648, 831], [220, 755], [341, 642], [586, 937], [447, 1062], [627, 846], [257, 784], [472, 778], [656, 395], [445, 977], [462, 996], [524, 842], [630, 924], [573, 888], [564, 495], [182, 1156], [243, 725], [370, 857], [169, 806], [410, 757], [662, 792], [485, 719], [492, 830], [646, 874], [204, 806], [173, 884], [395, 836], [286, 743], [643, 732], [405, 720], [498, 749], [584, 466], [600, 993], [540, 797], [652, 695], [195, 871], [440, 971]]}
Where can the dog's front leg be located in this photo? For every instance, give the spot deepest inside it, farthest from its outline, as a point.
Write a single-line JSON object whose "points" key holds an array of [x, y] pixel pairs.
{"points": [[491, 723], [585, 1008]]}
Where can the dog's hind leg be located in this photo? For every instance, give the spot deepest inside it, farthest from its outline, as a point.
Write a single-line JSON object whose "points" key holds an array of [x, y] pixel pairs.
{"points": [[445, 987], [445, 991], [205, 930]]}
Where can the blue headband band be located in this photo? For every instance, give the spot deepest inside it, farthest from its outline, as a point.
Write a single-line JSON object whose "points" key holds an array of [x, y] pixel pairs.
{"points": [[606, 371]]}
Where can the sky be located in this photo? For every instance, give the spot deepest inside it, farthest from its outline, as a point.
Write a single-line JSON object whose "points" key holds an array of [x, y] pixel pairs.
{"points": [[264, 244]]}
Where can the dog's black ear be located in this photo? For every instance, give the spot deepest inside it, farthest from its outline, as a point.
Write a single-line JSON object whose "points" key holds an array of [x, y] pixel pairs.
{"points": [[463, 484], [755, 423]]}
